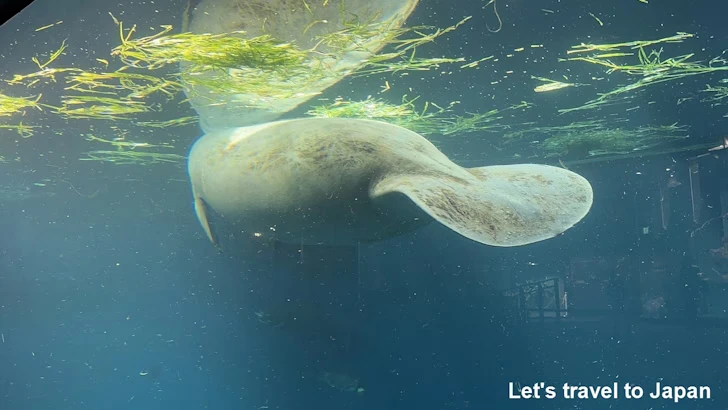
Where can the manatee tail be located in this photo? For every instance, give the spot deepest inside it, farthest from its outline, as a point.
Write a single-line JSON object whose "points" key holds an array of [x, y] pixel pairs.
{"points": [[508, 205]]}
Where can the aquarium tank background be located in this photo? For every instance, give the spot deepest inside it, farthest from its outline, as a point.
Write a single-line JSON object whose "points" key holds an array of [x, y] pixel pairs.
{"points": [[403, 204]]}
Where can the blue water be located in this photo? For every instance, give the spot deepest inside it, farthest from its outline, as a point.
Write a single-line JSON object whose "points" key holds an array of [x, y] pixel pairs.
{"points": [[111, 296]]}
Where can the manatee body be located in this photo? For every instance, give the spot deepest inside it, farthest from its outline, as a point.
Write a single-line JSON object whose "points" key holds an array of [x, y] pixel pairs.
{"points": [[345, 181]]}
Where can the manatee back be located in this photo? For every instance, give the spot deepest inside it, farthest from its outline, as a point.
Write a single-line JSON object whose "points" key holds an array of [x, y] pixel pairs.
{"points": [[308, 175], [298, 163]]}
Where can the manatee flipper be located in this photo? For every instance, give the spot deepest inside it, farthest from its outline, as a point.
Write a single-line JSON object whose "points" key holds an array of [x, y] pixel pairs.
{"points": [[508, 205], [203, 212]]}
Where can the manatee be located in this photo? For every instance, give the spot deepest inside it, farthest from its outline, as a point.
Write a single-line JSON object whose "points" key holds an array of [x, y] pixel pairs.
{"points": [[340, 181]]}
